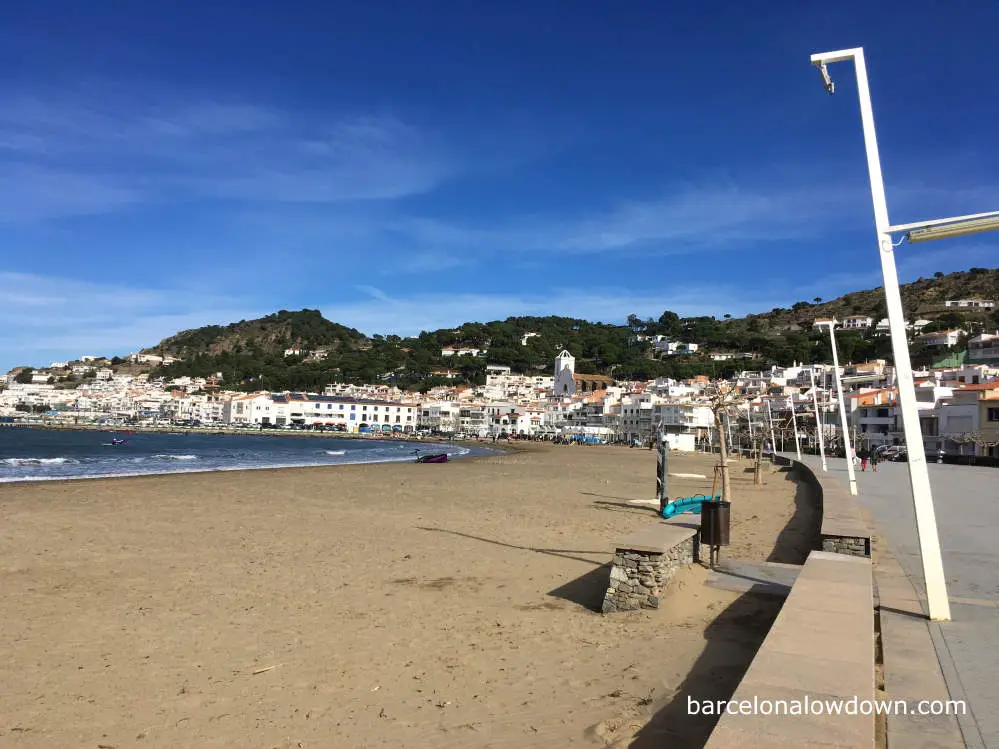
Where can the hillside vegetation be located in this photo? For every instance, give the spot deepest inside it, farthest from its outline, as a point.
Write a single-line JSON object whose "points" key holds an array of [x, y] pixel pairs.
{"points": [[250, 354]]}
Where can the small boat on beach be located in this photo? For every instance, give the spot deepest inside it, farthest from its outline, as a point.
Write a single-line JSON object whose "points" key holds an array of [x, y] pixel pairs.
{"points": [[435, 458]]}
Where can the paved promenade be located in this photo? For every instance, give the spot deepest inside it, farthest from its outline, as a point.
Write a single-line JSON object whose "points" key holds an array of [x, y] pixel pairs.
{"points": [[966, 499]]}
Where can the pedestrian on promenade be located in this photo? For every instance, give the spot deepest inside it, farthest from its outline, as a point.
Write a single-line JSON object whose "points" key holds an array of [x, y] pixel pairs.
{"points": [[875, 457], [865, 455]]}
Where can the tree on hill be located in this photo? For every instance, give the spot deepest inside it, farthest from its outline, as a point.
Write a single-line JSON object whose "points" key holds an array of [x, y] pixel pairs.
{"points": [[25, 376]]}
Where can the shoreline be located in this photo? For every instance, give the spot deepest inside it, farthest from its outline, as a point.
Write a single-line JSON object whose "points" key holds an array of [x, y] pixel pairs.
{"points": [[487, 452]]}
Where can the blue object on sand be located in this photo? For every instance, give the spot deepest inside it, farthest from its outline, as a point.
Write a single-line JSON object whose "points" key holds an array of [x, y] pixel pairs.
{"points": [[687, 504]]}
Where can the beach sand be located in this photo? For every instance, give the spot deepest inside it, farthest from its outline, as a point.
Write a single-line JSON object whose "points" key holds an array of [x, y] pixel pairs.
{"points": [[393, 605]]}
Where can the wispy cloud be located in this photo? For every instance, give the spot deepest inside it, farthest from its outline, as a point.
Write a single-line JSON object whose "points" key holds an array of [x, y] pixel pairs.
{"points": [[71, 158], [42, 315], [411, 314]]}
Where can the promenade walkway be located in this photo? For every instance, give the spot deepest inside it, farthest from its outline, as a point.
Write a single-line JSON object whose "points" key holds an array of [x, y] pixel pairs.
{"points": [[966, 499]]}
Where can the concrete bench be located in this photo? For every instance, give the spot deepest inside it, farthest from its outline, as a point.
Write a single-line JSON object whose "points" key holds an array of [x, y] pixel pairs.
{"points": [[821, 646], [646, 561], [843, 528]]}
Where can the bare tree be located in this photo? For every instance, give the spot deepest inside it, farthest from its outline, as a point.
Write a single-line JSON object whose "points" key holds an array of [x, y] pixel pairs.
{"points": [[721, 403], [758, 468], [977, 439]]}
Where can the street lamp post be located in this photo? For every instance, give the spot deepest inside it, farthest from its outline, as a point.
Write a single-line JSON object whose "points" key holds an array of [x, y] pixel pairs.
{"points": [[794, 421], [842, 412], [922, 497], [770, 418], [818, 421]]}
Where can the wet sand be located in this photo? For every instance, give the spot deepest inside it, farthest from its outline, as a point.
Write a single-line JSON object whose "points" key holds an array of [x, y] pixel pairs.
{"points": [[363, 606]]}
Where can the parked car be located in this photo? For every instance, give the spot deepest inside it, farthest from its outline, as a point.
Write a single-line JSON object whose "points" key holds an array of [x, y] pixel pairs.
{"points": [[895, 453]]}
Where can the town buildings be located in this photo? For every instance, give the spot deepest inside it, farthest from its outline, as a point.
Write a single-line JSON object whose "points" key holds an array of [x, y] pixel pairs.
{"points": [[958, 404]]}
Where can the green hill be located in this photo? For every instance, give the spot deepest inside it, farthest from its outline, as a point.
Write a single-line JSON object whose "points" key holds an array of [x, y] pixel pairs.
{"points": [[250, 354]]}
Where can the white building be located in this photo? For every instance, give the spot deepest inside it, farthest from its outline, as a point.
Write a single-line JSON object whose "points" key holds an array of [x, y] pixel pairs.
{"points": [[439, 416], [857, 322], [146, 359], [350, 414], [565, 369], [463, 352], [984, 348], [970, 303], [942, 338], [684, 423], [637, 420]]}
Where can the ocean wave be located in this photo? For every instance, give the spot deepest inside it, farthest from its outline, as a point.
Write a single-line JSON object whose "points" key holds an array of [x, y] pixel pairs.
{"points": [[37, 461], [335, 452], [165, 456]]}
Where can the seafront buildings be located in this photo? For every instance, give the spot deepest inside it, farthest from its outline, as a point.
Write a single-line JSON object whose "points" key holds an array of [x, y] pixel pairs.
{"points": [[958, 405]]}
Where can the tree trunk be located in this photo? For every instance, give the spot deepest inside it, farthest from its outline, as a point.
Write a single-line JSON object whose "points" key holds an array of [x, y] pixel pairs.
{"points": [[726, 493], [758, 472]]}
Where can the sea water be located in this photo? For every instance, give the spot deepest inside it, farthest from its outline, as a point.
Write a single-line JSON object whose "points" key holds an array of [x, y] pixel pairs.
{"points": [[40, 454]]}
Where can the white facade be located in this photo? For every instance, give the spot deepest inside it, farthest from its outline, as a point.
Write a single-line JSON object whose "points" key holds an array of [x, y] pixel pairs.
{"points": [[857, 322], [943, 338], [970, 303], [984, 347], [637, 420], [565, 367], [440, 416], [684, 423], [294, 408]]}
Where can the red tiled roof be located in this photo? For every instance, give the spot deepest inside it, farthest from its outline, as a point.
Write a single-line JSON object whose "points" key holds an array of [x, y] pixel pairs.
{"points": [[982, 386]]}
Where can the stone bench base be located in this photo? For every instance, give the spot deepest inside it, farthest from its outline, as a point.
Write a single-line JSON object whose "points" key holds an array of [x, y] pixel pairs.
{"points": [[855, 546], [638, 578]]}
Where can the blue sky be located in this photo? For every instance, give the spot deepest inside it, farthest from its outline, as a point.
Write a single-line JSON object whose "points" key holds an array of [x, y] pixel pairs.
{"points": [[405, 166]]}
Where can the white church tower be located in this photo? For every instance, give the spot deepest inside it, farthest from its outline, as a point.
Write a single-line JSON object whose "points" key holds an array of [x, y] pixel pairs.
{"points": [[565, 368]]}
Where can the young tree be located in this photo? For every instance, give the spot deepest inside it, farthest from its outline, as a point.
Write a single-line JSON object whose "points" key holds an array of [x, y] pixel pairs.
{"points": [[721, 403]]}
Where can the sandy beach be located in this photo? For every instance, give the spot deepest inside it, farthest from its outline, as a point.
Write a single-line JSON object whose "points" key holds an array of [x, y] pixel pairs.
{"points": [[396, 605]]}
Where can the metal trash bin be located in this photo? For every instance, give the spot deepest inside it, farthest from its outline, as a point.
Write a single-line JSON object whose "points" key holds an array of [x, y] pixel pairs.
{"points": [[715, 522]]}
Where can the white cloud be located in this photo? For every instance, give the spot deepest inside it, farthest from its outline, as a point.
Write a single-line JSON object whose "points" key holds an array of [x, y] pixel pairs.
{"points": [[62, 318], [70, 158], [410, 315]]}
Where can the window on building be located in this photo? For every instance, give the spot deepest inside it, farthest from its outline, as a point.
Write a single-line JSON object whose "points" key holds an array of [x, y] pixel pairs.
{"points": [[993, 414]]}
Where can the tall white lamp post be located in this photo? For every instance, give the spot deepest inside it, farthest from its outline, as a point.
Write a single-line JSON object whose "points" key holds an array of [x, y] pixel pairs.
{"points": [[922, 497], [794, 420], [770, 418], [842, 411], [818, 420]]}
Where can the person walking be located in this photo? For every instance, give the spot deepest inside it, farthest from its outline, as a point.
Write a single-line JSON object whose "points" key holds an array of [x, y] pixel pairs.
{"points": [[875, 457], [865, 455]]}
